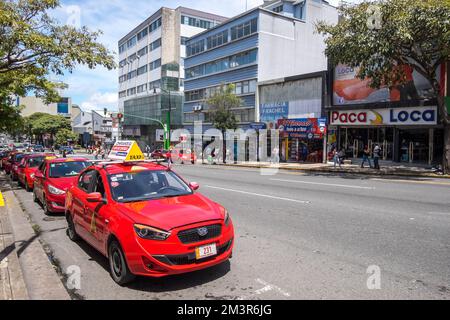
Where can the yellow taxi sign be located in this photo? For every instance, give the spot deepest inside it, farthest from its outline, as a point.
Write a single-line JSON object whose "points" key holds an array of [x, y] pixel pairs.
{"points": [[126, 151]]}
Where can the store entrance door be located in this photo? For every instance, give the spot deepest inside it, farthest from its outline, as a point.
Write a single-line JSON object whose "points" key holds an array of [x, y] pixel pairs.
{"points": [[414, 146]]}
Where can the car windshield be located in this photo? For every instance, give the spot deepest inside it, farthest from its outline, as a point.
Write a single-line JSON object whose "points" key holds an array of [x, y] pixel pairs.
{"points": [[147, 185], [35, 162], [66, 169]]}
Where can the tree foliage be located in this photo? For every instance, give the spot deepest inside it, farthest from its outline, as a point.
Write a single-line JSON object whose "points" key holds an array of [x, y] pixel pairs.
{"points": [[34, 46], [221, 105], [64, 135]]}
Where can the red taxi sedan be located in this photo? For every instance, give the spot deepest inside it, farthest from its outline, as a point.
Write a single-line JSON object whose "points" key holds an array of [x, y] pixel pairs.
{"points": [[14, 165], [28, 167], [147, 221], [53, 178]]}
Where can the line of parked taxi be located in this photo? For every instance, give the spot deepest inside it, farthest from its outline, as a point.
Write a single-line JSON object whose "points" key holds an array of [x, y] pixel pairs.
{"points": [[142, 216]]}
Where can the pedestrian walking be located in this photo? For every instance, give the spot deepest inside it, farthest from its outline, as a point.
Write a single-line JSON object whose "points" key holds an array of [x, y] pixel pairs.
{"points": [[147, 150], [366, 157], [376, 157], [96, 154], [336, 158], [102, 153], [64, 153]]}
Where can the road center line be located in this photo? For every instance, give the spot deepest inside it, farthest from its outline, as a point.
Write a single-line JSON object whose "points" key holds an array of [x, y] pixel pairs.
{"points": [[325, 184], [260, 195]]}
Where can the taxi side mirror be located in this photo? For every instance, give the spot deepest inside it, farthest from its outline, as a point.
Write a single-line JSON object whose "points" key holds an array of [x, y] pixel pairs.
{"points": [[194, 186], [94, 197], [38, 174]]}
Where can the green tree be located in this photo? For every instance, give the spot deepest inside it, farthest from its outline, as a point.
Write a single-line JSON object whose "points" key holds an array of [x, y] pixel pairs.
{"points": [[220, 111], [64, 135], [33, 46], [379, 36]]}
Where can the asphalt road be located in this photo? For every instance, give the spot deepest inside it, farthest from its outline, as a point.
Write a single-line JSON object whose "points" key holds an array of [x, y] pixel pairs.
{"points": [[297, 237]]}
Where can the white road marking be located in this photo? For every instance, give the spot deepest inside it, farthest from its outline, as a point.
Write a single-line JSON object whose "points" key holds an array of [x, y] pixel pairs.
{"points": [[267, 287], [259, 195], [325, 184]]}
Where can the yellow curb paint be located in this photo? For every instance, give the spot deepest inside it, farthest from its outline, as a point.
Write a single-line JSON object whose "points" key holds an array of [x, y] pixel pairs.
{"points": [[2, 201]]}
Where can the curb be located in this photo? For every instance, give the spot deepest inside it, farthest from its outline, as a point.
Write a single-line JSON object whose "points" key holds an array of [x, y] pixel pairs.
{"points": [[343, 170], [41, 279]]}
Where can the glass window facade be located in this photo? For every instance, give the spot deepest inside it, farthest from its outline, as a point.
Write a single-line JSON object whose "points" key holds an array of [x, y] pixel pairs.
{"points": [[244, 29], [241, 88], [224, 64], [155, 64], [196, 22], [195, 48], [217, 39], [155, 44]]}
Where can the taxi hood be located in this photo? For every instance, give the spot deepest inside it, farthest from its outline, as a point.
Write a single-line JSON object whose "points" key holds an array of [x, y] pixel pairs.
{"points": [[169, 213]]}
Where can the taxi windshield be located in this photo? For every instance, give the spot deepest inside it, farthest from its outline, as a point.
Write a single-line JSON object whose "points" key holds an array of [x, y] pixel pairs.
{"points": [[66, 169], [147, 185], [35, 162]]}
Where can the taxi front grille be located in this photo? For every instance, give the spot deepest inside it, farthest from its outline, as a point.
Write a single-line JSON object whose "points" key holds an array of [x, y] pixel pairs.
{"points": [[190, 257], [193, 235]]}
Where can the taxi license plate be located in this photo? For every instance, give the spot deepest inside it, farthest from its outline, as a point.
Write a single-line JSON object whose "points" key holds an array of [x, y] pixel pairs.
{"points": [[205, 251]]}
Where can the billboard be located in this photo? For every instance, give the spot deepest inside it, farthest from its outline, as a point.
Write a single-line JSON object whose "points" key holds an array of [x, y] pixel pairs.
{"points": [[350, 90], [387, 116], [307, 128]]}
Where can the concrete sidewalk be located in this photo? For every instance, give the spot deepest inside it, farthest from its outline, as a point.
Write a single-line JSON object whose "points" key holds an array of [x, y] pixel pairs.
{"points": [[389, 170], [25, 269]]}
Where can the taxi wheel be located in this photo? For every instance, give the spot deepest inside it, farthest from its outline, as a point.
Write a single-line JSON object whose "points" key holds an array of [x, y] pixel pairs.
{"points": [[117, 264], [71, 232]]}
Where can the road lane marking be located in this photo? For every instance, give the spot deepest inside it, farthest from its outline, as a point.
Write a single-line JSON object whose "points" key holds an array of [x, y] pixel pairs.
{"points": [[2, 200], [325, 184], [414, 181], [259, 195]]}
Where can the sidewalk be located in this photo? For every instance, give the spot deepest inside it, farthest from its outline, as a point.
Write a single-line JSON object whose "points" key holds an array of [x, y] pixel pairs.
{"points": [[25, 269], [388, 170]]}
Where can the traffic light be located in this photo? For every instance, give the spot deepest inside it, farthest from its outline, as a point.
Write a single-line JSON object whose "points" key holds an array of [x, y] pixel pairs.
{"points": [[120, 116]]}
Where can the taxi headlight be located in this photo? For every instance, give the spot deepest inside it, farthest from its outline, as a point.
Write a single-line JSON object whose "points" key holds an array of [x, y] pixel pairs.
{"points": [[227, 218], [54, 190], [149, 233]]}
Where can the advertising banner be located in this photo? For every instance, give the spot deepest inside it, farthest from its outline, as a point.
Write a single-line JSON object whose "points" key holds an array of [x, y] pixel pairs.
{"points": [[388, 116], [350, 90], [273, 111], [308, 128]]}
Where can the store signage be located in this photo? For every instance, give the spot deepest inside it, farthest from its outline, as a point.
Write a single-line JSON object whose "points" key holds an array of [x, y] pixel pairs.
{"points": [[390, 116], [258, 125], [309, 128], [273, 111]]}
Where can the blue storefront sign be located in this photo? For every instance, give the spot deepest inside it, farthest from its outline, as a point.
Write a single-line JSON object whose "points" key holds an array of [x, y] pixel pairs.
{"points": [[258, 125], [273, 111]]}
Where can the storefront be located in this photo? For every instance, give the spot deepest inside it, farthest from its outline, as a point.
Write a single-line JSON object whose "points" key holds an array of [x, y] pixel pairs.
{"points": [[302, 140], [408, 134]]}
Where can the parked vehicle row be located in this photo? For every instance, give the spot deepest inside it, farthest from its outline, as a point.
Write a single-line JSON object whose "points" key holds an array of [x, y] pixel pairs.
{"points": [[142, 216]]}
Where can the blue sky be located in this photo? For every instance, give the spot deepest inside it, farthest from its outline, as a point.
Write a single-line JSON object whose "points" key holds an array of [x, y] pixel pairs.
{"points": [[96, 89]]}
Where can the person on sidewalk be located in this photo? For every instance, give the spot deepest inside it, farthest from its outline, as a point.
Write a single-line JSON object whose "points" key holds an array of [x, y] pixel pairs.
{"points": [[366, 155], [336, 158], [376, 157]]}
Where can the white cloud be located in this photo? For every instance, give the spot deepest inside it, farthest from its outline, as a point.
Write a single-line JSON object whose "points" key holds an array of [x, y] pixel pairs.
{"points": [[99, 100]]}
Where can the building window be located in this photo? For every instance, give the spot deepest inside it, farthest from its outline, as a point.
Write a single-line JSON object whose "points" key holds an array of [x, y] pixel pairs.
{"points": [[278, 9], [224, 64], [131, 42], [122, 48], [142, 88], [142, 70], [131, 91], [123, 78], [199, 23], [123, 63], [155, 25], [217, 39], [183, 40], [195, 48], [63, 108], [244, 29], [155, 44], [122, 94], [143, 51], [155, 64], [241, 88], [141, 35], [154, 84]]}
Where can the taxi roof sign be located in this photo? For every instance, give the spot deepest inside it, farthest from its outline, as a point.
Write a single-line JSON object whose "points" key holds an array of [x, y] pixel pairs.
{"points": [[126, 151]]}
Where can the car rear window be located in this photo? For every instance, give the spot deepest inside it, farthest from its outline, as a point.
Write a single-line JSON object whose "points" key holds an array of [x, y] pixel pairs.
{"points": [[35, 162]]}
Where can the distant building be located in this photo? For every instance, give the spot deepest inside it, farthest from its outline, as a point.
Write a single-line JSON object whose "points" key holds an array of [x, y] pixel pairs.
{"points": [[34, 104], [152, 57]]}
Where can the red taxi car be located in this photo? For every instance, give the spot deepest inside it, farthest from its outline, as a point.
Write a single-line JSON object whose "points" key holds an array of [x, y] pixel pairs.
{"points": [[53, 178], [28, 167], [14, 165], [4, 156], [147, 220]]}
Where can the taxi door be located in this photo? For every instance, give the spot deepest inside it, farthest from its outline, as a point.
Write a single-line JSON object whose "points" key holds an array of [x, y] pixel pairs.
{"points": [[39, 178], [79, 195], [97, 216]]}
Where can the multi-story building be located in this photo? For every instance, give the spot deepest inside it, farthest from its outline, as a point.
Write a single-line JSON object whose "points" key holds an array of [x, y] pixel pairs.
{"points": [[151, 68], [34, 104], [274, 57]]}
